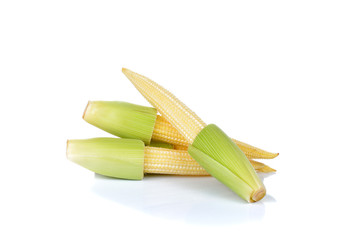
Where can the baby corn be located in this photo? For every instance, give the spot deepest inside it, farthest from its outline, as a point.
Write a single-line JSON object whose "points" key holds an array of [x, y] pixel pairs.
{"points": [[128, 120], [179, 162], [209, 145], [129, 159]]}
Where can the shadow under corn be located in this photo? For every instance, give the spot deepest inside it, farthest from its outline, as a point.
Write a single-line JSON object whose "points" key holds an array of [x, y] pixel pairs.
{"points": [[195, 200]]}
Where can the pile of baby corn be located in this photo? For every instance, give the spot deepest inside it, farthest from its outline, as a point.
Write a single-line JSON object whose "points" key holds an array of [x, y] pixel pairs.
{"points": [[167, 138]]}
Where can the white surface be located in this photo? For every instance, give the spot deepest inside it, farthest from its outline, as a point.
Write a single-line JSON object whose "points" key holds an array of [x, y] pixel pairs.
{"points": [[265, 72]]}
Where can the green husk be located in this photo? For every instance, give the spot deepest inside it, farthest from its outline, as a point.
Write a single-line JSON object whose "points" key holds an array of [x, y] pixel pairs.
{"points": [[212, 148], [161, 144], [122, 119], [112, 157], [221, 173]]}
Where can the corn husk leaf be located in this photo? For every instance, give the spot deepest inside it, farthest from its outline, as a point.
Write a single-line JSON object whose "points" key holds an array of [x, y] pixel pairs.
{"points": [[213, 142], [122, 119], [112, 157]]}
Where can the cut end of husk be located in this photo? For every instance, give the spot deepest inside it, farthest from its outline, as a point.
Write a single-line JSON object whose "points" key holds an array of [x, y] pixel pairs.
{"points": [[112, 157], [85, 111], [122, 119], [258, 195]]}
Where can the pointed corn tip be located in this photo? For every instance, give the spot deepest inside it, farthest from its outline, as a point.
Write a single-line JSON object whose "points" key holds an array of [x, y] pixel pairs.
{"points": [[269, 155], [258, 195], [125, 70]]}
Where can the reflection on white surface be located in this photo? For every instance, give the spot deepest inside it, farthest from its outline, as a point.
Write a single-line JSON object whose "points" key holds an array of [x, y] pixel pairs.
{"points": [[198, 200]]}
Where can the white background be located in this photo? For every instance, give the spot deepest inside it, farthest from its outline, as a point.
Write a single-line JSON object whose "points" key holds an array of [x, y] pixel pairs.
{"points": [[266, 72]]}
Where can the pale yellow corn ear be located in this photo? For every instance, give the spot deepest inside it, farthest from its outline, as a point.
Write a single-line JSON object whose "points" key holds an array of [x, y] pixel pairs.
{"points": [[178, 114], [179, 162], [165, 132], [133, 121], [129, 159]]}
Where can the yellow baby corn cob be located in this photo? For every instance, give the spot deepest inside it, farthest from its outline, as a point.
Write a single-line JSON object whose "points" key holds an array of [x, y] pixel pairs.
{"points": [[182, 159], [174, 111], [209, 145], [128, 120], [179, 162], [129, 159]]}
